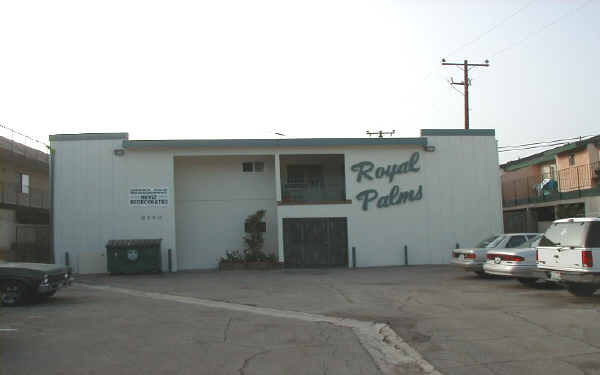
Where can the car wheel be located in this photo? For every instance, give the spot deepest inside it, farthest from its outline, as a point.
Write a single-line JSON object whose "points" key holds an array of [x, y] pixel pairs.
{"points": [[12, 293], [482, 274], [527, 281], [582, 290]]}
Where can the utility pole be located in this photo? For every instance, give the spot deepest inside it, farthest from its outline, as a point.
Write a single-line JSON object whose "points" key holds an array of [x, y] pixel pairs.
{"points": [[380, 133], [465, 65]]}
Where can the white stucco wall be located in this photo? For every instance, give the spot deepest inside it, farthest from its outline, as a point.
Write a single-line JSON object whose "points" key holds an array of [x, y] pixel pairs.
{"points": [[213, 198], [460, 203], [92, 200]]}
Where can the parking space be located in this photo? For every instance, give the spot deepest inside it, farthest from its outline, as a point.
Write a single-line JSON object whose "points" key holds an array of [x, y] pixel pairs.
{"points": [[459, 323]]}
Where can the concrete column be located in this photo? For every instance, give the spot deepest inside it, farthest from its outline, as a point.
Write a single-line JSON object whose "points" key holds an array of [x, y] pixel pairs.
{"points": [[347, 177], [280, 254], [277, 178], [278, 198], [531, 225]]}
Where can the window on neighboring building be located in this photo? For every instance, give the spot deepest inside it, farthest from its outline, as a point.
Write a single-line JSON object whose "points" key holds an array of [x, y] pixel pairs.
{"points": [[259, 166], [247, 167], [572, 159], [23, 183]]}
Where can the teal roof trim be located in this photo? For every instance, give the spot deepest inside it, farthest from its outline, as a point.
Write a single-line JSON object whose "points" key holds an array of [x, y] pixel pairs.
{"points": [[458, 132], [88, 136], [297, 142]]}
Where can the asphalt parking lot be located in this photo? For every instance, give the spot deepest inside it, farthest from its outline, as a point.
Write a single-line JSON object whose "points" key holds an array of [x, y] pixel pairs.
{"points": [[457, 322]]}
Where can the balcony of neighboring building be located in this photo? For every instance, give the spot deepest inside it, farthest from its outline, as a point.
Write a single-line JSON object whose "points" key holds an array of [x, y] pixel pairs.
{"points": [[312, 179], [23, 195], [551, 184], [24, 176]]}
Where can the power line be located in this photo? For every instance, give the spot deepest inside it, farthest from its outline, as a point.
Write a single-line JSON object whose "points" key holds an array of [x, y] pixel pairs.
{"points": [[534, 147], [492, 28], [25, 136], [489, 30], [544, 27], [542, 142]]}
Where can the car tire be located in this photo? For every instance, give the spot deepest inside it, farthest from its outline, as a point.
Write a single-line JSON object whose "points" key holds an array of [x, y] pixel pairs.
{"points": [[13, 293], [482, 274], [582, 290], [527, 281]]}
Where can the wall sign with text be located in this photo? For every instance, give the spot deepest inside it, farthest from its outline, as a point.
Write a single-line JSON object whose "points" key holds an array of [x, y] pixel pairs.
{"points": [[366, 171], [149, 197]]}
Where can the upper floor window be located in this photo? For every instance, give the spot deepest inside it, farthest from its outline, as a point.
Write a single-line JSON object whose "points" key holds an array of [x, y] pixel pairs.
{"points": [[572, 159], [247, 167], [257, 166], [23, 183]]}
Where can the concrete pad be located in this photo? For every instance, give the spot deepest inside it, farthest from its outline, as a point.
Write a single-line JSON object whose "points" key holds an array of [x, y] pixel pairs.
{"points": [[458, 322], [85, 332]]}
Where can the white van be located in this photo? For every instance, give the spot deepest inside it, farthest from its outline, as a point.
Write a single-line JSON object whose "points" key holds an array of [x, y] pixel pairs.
{"points": [[569, 253]]}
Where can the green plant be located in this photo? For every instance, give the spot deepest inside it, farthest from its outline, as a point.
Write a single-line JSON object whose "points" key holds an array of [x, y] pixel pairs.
{"points": [[234, 256], [254, 243], [254, 238]]}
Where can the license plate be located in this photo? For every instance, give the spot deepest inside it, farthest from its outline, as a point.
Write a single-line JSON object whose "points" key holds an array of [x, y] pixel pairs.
{"points": [[461, 257], [555, 276]]}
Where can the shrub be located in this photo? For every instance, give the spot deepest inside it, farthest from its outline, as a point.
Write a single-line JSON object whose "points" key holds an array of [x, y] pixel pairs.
{"points": [[254, 243]]}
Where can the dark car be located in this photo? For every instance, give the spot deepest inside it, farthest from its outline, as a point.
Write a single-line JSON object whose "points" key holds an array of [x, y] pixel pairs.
{"points": [[20, 282]]}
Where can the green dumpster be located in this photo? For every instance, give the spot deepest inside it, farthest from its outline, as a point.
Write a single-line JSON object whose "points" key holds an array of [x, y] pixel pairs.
{"points": [[133, 256]]}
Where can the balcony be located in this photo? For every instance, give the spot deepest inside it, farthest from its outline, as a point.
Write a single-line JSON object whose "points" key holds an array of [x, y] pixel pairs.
{"points": [[10, 194], [299, 192], [574, 182], [312, 179]]}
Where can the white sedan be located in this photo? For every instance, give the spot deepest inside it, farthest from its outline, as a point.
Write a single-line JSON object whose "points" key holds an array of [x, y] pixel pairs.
{"points": [[519, 262], [472, 259]]}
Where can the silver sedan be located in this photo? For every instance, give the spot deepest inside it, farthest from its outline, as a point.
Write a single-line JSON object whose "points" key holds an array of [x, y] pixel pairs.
{"points": [[518, 262], [472, 259]]}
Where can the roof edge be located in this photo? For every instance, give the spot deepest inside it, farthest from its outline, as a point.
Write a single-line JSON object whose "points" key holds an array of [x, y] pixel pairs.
{"points": [[88, 136], [458, 132], [295, 142]]}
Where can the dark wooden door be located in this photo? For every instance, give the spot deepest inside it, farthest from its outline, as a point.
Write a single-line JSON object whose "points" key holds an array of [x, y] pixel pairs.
{"points": [[315, 242]]}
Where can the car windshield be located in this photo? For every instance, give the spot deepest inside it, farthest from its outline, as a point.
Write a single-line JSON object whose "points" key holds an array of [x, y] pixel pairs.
{"points": [[532, 242], [486, 242], [569, 234]]}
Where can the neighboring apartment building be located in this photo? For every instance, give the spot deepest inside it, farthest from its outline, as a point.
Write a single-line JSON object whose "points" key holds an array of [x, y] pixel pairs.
{"points": [[557, 183], [323, 197], [24, 202]]}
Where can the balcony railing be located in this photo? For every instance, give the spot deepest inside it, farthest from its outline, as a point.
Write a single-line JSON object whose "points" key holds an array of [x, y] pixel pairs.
{"points": [[305, 193], [568, 183], [10, 193]]}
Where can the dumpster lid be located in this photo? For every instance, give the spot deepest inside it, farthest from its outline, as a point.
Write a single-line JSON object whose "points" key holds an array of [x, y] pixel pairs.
{"points": [[115, 244]]}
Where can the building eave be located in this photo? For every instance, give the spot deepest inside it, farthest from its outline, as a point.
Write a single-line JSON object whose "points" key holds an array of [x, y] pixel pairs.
{"points": [[253, 143]]}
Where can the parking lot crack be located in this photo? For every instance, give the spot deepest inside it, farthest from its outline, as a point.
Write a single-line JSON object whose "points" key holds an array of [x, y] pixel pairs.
{"points": [[548, 330], [247, 361], [341, 293], [226, 330], [388, 350]]}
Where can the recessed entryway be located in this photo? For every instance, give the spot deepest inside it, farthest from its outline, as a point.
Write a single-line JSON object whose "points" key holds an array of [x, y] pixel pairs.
{"points": [[315, 242]]}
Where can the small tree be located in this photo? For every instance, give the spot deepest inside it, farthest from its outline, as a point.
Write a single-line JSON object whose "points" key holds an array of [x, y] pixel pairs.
{"points": [[254, 238]]}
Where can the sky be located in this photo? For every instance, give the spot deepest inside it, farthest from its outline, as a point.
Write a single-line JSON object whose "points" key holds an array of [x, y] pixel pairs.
{"points": [[250, 69]]}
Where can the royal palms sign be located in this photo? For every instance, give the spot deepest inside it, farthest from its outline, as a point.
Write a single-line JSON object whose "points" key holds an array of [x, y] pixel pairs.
{"points": [[366, 171]]}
